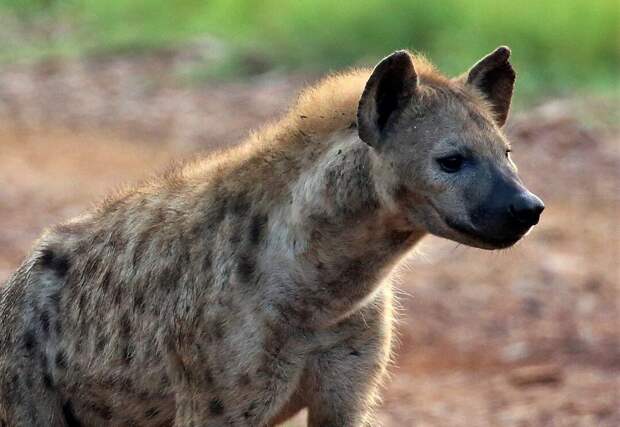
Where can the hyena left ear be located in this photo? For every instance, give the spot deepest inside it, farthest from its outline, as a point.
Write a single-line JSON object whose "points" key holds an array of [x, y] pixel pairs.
{"points": [[389, 88], [494, 77]]}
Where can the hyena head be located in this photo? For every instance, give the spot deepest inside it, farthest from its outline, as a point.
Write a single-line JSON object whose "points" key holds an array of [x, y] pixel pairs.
{"points": [[442, 142]]}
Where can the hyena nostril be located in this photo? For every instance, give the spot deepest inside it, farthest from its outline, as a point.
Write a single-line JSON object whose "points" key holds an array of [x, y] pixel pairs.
{"points": [[526, 209]]}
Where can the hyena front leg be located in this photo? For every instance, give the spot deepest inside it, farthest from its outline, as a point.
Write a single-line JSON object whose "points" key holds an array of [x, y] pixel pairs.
{"points": [[28, 393], [345, 380], [28, 400]]}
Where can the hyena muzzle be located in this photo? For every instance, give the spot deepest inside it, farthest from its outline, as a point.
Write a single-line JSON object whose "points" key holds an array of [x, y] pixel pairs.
{"points": [[241, 288]]}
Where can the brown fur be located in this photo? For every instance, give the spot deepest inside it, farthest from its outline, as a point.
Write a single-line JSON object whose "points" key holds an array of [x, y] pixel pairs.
{"points": [[240, 288]]}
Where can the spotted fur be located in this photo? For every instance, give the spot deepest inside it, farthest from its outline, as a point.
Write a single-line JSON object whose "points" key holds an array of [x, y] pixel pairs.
{"points": [[232, 291]]}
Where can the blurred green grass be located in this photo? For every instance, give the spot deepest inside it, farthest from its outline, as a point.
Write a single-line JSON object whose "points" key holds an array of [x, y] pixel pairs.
{"points": [[559, 46]]}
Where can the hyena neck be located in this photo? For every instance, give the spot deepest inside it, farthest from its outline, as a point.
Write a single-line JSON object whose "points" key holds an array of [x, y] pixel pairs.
{"points": [[350, 229]]}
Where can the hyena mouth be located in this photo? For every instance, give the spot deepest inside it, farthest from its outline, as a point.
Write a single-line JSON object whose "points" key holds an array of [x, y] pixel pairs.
{"points": [[497, 242], [477, 237]]}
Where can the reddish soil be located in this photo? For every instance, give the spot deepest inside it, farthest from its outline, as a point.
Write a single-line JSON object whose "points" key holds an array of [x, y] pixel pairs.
{"points": [[524, 337]]}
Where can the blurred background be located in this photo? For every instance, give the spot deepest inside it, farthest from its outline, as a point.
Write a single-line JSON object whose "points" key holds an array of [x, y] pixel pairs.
{"points": [[97, 93]]}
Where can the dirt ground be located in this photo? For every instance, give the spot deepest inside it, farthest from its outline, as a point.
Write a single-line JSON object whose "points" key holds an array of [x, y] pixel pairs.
{"points": [[524, 337]]}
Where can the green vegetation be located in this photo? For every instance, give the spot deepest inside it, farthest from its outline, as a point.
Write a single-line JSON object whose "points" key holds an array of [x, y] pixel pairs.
{"points": [[557, 45]]}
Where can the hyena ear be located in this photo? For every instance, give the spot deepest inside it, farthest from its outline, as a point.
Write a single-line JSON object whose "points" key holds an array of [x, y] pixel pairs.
{"points": [[495, 78], [389, 88]]}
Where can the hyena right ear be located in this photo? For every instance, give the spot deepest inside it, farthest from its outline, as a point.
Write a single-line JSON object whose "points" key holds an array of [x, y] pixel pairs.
{"points": [[389, 88], [495, 78]]}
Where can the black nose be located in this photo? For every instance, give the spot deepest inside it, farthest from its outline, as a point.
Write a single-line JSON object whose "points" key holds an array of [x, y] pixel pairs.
{"points": [[526, 208]]}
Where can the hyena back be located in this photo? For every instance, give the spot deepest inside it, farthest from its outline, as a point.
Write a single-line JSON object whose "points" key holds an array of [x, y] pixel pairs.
{"points": [[241, 288]]}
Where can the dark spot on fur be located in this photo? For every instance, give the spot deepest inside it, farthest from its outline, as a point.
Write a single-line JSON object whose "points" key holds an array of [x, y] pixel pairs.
{"points": [[245, 267], [70, 419], [288, 312], [397, 238], [130, 422], [218, 208], [355, 353], [47, 381], [103, 411], [101, 341], [256, 228], [402, 193], [83, 303], [84, 329], [245, 380], [116, 239], [125, 328], [117, 295], [127, 353], [14, 384], [61, 360], [353, 271], [126, 385], [275, 338], [138, 301], [234, 239], [58, 263], [125, 335], [105, 282], [29, 340], [247, 414], [92, 262], [216, 407], [169, 276], [7, 391], [28, 380], [58, 327], [164, 381], [208, 377], [217, 330], [207, 261], [140, 248], [55, 301], [151, 413], [239, 205], [45, 323]]}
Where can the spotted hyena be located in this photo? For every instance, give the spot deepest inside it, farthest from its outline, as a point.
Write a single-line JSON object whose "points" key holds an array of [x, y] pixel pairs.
{"points": [[241, 288]]}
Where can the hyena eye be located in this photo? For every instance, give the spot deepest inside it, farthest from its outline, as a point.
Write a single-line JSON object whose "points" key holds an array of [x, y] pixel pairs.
{"points": [[451, 164]]}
